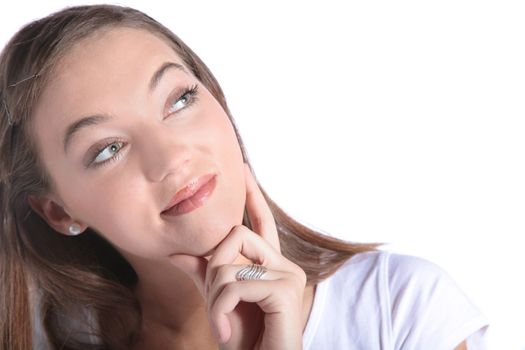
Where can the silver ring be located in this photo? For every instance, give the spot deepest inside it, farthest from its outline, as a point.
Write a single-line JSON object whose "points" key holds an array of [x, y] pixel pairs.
{"points": [[251, 272]]}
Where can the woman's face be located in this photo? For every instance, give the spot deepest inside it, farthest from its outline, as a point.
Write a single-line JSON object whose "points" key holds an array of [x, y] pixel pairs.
{"points": [[118, 174]]}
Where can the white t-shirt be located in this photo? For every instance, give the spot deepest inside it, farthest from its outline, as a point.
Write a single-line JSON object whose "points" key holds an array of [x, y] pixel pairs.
{"points": [[382, 300]]}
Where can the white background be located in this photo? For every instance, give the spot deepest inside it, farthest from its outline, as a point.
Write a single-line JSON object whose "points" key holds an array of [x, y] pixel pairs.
{"points": [[400, 122]]}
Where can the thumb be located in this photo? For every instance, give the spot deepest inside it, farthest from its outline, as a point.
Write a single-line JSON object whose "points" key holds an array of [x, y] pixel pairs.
{"points": [[193, 266]]}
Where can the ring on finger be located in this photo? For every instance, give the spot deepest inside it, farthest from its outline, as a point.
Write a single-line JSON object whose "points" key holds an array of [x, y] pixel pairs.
{"points": [[251, 272]]}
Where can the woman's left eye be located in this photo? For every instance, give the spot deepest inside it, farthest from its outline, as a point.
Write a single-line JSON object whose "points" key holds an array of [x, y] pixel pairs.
{"points": [[188, 97]]}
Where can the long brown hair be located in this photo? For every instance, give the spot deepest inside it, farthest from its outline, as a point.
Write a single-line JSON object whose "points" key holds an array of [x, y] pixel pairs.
{"points": [[70, 274]]}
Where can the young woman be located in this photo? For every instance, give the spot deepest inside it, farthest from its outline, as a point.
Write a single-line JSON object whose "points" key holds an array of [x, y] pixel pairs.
{"points": [[131, 218]]}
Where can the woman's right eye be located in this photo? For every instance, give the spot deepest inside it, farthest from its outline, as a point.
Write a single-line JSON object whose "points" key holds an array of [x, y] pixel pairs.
{"points": [[106, 153]]}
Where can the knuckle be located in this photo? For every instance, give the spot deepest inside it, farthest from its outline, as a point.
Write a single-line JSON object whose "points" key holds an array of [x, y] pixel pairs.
{"points": [[298, 272], [215, 306], [237, 231], [302, 276], [230, 288], [290, 293], [300, 280]]}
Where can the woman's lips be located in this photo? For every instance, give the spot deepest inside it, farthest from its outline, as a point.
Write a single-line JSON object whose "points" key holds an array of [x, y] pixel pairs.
{"points": [[196, 200]]}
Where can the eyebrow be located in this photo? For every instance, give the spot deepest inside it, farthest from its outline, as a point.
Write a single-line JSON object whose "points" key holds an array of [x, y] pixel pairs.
{"points": [[157, 76], [76, 126]]}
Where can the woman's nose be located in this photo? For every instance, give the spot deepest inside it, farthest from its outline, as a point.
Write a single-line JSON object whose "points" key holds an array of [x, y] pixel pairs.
{"points": [[164, 152]]}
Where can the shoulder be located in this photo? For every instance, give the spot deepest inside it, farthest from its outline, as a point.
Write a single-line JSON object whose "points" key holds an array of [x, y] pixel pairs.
{"points": [[397, 273], [390, 271], [392, 278], [428, 307], [362, 264], [411, 273], [398, 267], [417, 303]]}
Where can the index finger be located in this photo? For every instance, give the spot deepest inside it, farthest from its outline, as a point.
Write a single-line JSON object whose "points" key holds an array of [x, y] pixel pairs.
{"points": [[260, 214]]}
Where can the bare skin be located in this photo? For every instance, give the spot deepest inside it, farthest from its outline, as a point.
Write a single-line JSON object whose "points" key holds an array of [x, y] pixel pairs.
{"points": [[156, 138]]}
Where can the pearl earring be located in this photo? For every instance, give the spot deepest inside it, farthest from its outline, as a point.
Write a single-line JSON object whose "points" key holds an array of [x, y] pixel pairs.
{"points": [[74, 229]]}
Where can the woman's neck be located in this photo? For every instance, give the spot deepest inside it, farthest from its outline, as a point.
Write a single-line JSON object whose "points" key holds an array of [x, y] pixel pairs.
{"points": [[173, 309], [166, 294]]}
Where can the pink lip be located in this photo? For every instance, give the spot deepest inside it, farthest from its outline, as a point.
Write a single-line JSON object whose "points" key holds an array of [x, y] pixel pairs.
{"points": [[191, 196]]}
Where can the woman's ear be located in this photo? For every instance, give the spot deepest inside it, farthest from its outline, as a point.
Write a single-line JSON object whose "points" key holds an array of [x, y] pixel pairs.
{"points": [[54, 214]]}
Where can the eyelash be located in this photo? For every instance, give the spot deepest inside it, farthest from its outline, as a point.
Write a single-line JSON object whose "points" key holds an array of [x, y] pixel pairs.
{"points": [[191, 94]]}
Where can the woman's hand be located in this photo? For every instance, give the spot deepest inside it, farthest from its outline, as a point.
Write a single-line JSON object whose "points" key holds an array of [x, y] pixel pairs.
{"points": [[258, 314]]}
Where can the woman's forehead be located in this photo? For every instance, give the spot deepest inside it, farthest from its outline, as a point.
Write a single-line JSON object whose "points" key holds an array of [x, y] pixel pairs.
{"points": [[119, 59], [115, 48]]}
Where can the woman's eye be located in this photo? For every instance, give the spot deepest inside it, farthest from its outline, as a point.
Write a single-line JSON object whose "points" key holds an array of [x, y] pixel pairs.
{"points": [[187, 98], [180, 103], [107, 153]]}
